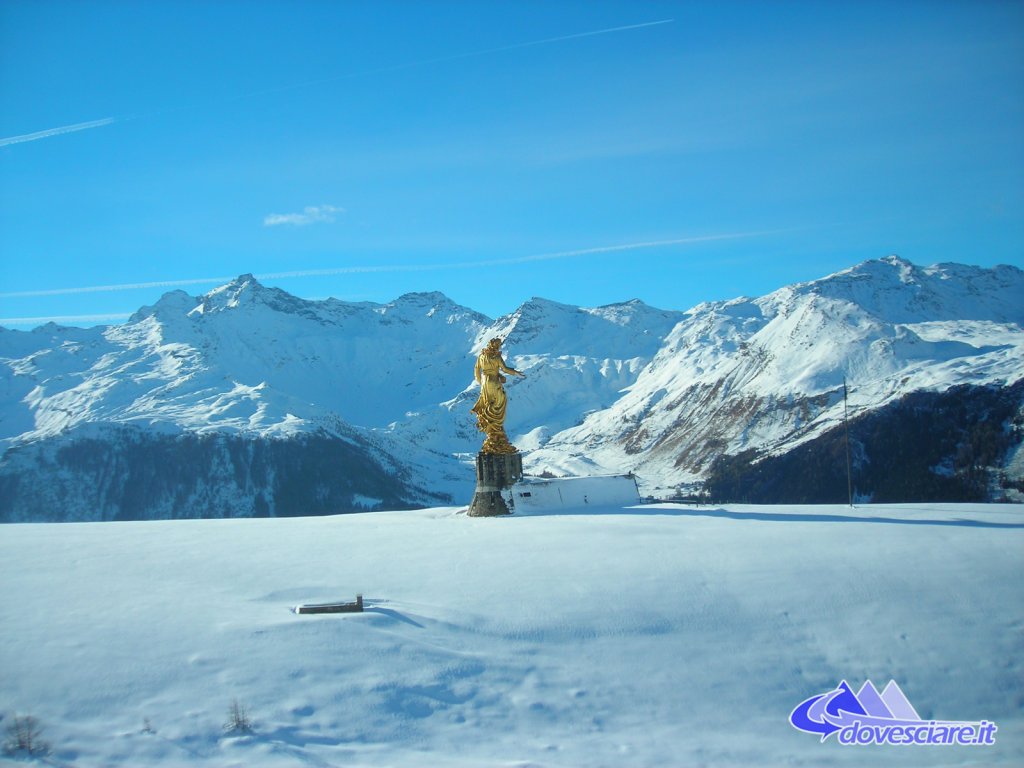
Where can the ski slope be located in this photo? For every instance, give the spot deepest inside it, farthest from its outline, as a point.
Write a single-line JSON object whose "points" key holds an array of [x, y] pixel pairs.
{"points": [[644, 636]]}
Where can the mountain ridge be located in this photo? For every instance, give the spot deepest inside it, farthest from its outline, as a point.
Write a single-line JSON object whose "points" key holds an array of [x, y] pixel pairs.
{"points": [[621, 387], [769, 371]]}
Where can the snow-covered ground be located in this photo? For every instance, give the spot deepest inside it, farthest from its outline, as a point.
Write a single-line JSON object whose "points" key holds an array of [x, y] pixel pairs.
{"points": [[646, 636]]}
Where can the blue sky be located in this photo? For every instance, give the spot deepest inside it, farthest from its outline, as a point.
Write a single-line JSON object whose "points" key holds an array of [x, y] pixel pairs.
{"points": [[498, 150]]}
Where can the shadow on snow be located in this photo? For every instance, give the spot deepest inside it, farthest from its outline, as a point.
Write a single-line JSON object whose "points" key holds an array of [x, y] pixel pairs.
{"points": [[771, 517]]}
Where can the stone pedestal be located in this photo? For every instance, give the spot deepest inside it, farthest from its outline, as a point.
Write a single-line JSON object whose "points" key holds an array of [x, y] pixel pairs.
{"points": [[495, 472]]}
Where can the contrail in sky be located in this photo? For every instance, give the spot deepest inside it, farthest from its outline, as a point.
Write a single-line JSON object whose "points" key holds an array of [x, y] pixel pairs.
{"points": [[119, 287], [64, 319], [499, 262], [57, 131], [452, 57], [516, 46], [376, 268], [398, 67]]}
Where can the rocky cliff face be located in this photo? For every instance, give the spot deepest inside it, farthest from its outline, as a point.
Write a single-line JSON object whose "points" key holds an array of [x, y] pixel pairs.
{"points": [[216, 403]]}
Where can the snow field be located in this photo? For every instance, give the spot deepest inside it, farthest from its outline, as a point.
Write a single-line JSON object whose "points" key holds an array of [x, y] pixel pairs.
{"points": [[645, 636]]}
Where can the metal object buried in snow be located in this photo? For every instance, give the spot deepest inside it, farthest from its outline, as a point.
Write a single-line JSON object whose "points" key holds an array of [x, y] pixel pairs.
{"points": [[356, 607]]}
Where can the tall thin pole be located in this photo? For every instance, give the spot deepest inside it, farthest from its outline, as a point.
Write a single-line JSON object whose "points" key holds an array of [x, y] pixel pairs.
{"points": [[849, 465]]}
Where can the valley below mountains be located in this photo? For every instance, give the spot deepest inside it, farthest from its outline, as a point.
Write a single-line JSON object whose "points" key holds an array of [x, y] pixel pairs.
{"points": [[248, 401]]}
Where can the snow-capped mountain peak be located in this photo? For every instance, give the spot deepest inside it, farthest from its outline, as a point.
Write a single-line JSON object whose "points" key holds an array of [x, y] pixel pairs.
{"points": [[620, 331], [435, 305], [768, 373], [246, 292], [896, 291], [171, 305], [242, 357], [613, 388]]}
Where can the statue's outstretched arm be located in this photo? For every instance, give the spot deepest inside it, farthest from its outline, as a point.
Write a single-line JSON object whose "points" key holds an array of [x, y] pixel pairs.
{"points": [[512, 371]]}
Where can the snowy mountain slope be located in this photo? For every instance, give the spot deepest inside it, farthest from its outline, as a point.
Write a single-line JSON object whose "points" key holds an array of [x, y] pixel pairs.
{"points": [[768, 373], [243, 358], [576, 360], [608, 389], [251, 361], [641, 637], [957, 444], [104, 471]]}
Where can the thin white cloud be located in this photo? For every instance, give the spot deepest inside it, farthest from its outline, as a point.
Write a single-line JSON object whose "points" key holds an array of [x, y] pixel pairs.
{"points": [[56, 131], [517, 46], [311, 214], [615, 248], [371, 268], [119, 287], [450, 57], [575, 36], [63, 319], [375, 268]]}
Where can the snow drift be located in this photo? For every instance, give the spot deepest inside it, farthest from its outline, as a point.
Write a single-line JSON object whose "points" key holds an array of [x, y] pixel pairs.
{"points": [[638, 636]]}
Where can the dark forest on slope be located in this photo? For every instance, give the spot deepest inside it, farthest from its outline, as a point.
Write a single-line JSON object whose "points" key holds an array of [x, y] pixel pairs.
{"points": [[929, 446], [129, 474]]}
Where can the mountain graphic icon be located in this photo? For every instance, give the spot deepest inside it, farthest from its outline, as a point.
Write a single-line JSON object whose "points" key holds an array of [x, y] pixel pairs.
{"points": [[872, 701], [826, 713], [897, 703]]}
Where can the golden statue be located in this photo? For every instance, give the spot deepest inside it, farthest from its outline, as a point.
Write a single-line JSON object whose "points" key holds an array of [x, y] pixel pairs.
{"points": [[490, 406]]}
